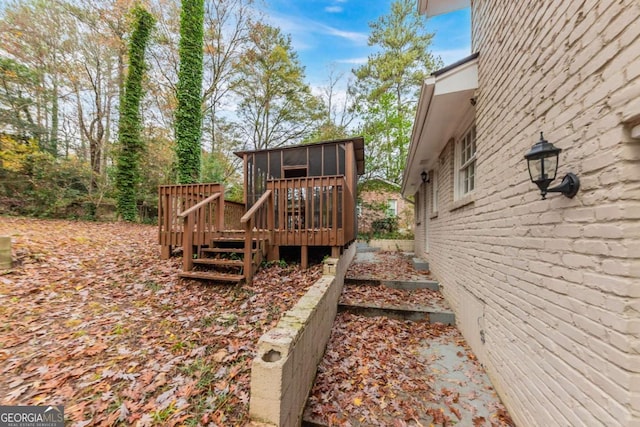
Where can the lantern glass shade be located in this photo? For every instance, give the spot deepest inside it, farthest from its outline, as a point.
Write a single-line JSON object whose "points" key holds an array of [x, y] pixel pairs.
{"points": [[544, 168], [542, 161]]}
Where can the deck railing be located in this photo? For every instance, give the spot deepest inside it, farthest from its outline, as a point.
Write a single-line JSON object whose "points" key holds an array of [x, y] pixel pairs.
{"points": [[312, 211], [309, 211], [200, 218], [174, 200], [233, 211], [258, 223]]}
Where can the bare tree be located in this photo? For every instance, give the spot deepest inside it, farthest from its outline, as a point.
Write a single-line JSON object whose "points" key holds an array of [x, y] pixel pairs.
{"points": [[227, 28]]}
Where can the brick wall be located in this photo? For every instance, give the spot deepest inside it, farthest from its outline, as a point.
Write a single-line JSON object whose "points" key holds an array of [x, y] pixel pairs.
{"points": [[548, 291], [380, 197]]}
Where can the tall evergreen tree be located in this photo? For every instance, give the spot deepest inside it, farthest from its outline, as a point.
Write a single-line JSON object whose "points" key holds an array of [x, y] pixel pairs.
{"points": [[189, 111], [18, 88], [387, 86], [130, 140]]}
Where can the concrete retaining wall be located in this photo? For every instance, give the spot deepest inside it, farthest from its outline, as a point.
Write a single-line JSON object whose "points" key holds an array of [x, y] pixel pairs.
{"points": [[392, 245], [5, 252], [285, 367]]}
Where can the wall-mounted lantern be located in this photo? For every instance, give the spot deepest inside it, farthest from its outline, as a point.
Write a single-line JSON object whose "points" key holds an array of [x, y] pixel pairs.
{"points": [[425, 177], [542, 162]]}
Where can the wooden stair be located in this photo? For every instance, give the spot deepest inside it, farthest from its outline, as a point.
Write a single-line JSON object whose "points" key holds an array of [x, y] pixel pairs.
{"points": [[223, 260]]}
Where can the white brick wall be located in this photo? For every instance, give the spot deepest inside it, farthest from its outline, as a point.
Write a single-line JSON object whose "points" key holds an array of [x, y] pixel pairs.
{"points": [[554, 285]]}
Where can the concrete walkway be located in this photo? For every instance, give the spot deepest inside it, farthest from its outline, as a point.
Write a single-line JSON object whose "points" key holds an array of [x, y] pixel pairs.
{"points": [[443, 383]]}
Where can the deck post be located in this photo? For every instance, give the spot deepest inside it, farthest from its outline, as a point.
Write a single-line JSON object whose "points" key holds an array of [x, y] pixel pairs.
{"points": [[335, 252], [164, 220], [271, 225], [304, 256], [220, 209], [271, 222], [248, 250], [187, 243], [165, 252], [273, 254]]}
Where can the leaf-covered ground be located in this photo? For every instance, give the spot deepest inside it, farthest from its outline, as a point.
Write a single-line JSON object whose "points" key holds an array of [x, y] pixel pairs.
{"points": [[384, 266], [383, 372], [378, 371], [382, 296], [91, 318]]}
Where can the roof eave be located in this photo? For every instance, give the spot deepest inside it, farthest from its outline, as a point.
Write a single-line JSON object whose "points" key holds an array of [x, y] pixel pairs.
{"points": [[424, 101], [439, 7], [443, 104]]}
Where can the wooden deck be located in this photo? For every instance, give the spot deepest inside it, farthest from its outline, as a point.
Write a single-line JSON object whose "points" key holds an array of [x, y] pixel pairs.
{"points": [[312, 211], [299, 196], [293, 212], [173, 200]]}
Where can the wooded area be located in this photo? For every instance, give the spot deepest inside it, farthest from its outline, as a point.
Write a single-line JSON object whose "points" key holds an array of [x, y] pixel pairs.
{"points": [[64, 70]]}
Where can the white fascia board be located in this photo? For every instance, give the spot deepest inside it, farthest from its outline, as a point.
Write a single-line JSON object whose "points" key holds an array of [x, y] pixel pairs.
{"points": [[461, 78], [426, 96], [439, 7], [444, 102]]}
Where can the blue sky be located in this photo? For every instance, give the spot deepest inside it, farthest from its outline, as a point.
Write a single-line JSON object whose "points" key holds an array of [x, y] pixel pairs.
{"points": [[333, 33]]}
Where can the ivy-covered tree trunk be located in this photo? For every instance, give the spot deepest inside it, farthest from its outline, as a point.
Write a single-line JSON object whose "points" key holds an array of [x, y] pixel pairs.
{"points": [[189, 110], [130, 141]]}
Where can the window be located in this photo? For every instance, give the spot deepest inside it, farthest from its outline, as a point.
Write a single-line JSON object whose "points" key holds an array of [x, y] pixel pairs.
{"points": [[434, 191], [466, 163], [392, 208], [295, 171]]}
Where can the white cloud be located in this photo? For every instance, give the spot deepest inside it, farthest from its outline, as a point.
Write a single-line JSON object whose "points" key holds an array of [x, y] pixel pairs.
{"points": [[357, 61], [333, 9], [357, 38], [286, 23], [301, 29]]}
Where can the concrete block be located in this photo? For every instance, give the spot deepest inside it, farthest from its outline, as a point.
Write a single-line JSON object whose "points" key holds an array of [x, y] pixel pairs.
{"points": [[420, 264], [330, 266], [393, 245], [265, 411], [5, 252], [409, 285], [279, 339]]}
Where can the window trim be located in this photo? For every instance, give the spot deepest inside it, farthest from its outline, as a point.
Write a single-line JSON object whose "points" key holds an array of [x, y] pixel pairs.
{"points": [[459, 167], [435, 193], [393, 202], [417, 211]]}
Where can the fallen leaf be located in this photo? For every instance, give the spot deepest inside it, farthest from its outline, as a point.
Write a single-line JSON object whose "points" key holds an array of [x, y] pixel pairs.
{"points": [[124, 412]]}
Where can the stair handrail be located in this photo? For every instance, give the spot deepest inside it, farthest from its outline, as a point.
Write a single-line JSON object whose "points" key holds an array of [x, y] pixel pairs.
{"points": [[248, 219], [189, 222], [199, 205]]}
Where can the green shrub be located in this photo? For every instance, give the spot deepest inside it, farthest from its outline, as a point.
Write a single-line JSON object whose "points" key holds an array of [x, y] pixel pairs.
{"points": [[385, 225]]}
